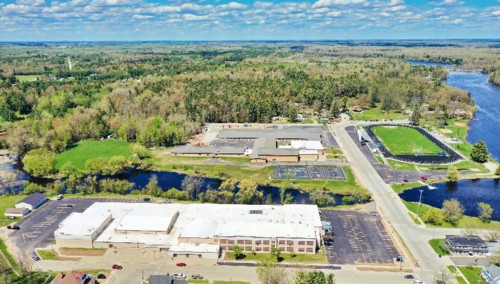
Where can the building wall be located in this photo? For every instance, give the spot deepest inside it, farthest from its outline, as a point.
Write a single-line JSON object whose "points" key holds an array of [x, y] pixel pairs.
{"points": [[210, 241], [308, 157], [263, 245], [258, 161], [24, 205], [190, 257], [291, 159]]}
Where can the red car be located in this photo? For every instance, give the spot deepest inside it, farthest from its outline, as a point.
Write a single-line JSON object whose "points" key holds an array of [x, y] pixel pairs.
{"points": [[116, 266], [423, 177], [180, 264], [405, 180]]}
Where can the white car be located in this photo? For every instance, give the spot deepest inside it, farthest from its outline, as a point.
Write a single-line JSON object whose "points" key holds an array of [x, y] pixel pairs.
{"points": [[179, 275]]}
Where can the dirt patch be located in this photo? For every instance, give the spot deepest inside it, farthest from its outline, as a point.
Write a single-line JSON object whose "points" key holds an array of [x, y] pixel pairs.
{"points": [[82, 252], [446, 131], [460, 124]]}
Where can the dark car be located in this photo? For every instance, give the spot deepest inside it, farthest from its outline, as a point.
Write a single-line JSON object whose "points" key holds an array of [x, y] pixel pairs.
{"points": [[15, 227], [69, 206], [180, 264], [409, 276], [405, 180], [101, 276], [147, 199], [116, 266], [196, 276], [328, 243], [35, 257]]}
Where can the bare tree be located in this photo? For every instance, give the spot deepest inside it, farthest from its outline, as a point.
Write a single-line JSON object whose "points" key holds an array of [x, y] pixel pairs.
{"points": [[469, 229], [493, 235], [442, 276], [26, 269], [5, 271]]}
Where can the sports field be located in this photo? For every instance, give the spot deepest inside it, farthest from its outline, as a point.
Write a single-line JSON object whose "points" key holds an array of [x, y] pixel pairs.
{"points": [[405, 141], [92, 149]]}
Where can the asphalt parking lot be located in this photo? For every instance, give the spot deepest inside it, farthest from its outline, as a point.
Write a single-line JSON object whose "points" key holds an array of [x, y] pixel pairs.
{"points": [[37, 228], [359, 238], [311, 172]]}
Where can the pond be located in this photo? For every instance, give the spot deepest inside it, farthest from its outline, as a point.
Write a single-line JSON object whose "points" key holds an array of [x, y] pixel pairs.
{"points": [[468, 192], [166, 180]]}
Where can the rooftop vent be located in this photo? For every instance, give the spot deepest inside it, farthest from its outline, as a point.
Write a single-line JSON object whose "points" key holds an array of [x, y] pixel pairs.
{"points": [[255, 212]]}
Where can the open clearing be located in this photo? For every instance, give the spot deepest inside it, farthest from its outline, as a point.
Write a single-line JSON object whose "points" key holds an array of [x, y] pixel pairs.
{"points": [[26, 78], [92, 149], [405, 141]]}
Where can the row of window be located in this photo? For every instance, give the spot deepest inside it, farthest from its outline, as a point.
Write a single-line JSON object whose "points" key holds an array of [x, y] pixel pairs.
{"points": [[266, 242], [266, 249]]}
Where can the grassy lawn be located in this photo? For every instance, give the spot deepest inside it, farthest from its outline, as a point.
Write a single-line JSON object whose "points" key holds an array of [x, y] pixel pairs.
{"points": [[8, 201], [235, 159], [400, 166], [399, 188], [464, 167], [9, 257], [47, 254], [465, 221], [26, 78], [438, 245], [92, 149], [285, 257], [459, 132], [404, 140], [83, 251], [460, 280], [472, 274], [377, 114]]}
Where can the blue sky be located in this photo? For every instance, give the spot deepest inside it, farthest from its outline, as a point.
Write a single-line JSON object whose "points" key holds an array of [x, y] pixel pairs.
{"points": [[88, 20]]}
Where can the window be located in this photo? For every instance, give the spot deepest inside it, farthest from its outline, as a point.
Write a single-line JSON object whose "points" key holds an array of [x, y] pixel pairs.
{"points": [[248, 248], [230, 242], [266, 242], [223, 247], [290, 243], [258, 242], [281, 242], [258, 249], [289, 249], [310, 243], [302, 243], [187, 255], [223, 241], [241, 242], [309, 250], [266, 248], [248, 242], [301, 249], [282, 248]]}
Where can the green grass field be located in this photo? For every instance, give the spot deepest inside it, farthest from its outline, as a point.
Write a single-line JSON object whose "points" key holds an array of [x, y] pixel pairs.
{"points": [[473, 274], [26, 78], [8, 201], [405, 141], [437, 245], [286, 257], [377, 114], [92, 149]]}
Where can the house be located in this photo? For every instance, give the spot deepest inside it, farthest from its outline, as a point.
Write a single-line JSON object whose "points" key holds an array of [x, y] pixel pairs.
{"points": [[491, 274], [33, 201], [73, 277], [165, 279], [466, 244], [16, 212]]}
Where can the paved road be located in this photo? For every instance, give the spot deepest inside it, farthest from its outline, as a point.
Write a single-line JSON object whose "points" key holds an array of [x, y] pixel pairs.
{"points": [[391, 207]]}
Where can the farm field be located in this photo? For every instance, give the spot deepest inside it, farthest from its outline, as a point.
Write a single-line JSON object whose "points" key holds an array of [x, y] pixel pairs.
{"points": [[405, 141], [91, 149]]}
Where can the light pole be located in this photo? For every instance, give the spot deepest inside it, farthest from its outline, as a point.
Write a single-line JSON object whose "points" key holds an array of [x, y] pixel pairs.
{"points": [[419, 201]]}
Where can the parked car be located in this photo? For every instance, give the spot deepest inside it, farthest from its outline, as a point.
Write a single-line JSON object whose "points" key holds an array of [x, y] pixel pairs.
{"points": [[405, 180], [179, 275], [409, 276], [101, 276], [147, 199], [180, 264], [168, 201], [418, 282], [69, 205], [14, 227], [423, 177], [196, 276], [60, 196], [116, 266], [35, 256]]}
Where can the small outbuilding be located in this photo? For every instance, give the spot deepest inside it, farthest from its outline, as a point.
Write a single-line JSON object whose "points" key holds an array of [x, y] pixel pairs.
{"points": [[33, 201], [16, 212], [466, 244], [491, 274]]}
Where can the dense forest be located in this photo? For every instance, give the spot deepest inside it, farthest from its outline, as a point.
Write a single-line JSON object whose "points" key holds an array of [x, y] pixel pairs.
{"points": [[159, 94]]}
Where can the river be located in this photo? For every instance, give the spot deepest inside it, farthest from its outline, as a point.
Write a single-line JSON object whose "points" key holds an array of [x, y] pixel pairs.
{"points": [[486, 120]]}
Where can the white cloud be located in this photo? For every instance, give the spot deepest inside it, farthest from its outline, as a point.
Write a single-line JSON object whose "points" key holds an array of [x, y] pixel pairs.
{"points": [[447, 3], [334, 14], [191, 17], [112, 2], [233, 6], [263, 5], [497, 12], [328, 3]]}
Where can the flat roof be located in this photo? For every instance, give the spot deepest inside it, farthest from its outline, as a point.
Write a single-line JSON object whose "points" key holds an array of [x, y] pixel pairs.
{"points": [[200, 220], [147, 219], [81, 224], [15, 210], [473, 240], [289, 133], [33, 198], [228, 150], [306, 145]]}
